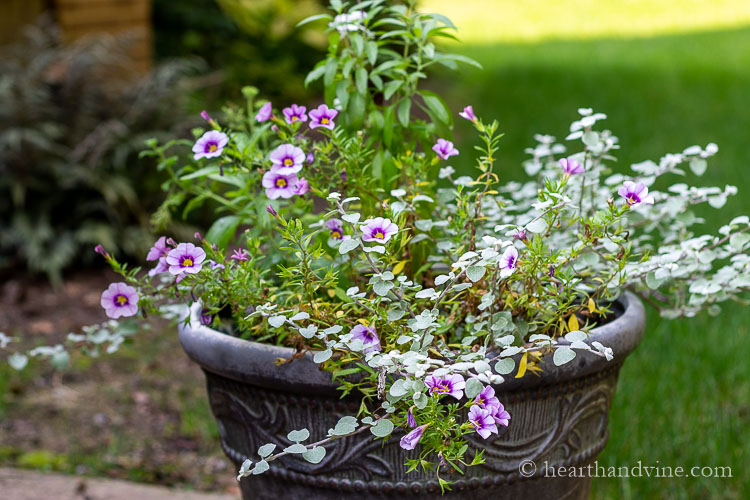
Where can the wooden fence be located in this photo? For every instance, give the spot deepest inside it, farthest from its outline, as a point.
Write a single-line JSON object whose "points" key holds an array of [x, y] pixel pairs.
{"points": [[78, 18]]}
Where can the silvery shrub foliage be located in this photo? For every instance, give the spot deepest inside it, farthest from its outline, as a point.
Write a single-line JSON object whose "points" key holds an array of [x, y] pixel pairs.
{"points": [[417, 288]]}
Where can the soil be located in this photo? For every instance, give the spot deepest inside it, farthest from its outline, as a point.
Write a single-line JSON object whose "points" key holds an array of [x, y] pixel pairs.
{"points": [[140, 414]]}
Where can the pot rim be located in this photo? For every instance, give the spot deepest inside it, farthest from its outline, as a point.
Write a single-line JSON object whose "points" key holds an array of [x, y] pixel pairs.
{"points": [[254, 363]]}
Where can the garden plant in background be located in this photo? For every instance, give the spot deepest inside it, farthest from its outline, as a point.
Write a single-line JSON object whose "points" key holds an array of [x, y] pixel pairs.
{"points": [[422, 292], [72, 120]]}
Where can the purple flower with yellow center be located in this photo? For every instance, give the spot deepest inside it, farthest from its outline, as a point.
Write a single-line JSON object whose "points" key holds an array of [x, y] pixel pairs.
{"points": [[185, 259], [278, 185], [367, 336], [468, 114], [302, 186], [444, 149], [482, 420], [239, 254], [508, 262], [486, 398], [322, 116], [264, 113], [571, 167], [410, 440], [635, 194], [119, 300], [295, 113], [452, 385], [287, 159], [379, 230], [337, 229], [210, 145]]}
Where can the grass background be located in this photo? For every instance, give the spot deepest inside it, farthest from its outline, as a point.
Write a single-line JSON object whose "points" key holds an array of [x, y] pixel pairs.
{"points": [[668, 74]]}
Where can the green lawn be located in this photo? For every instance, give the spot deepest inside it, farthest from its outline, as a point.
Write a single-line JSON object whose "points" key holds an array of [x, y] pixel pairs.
{"points": [[684, 395]]}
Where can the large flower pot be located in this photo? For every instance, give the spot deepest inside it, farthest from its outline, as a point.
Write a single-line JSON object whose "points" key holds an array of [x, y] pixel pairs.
{"points": [[559, 418]]}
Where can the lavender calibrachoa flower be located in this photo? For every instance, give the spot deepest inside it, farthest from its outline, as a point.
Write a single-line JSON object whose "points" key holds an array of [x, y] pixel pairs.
{"points": [[445, 149], [451, 385], [468, 114], [287, 159], [301, 187], [278, 185], [411, 440], [508, 262], [264, 113], [186, 258], [635, 194], [367, 336], [120, 300], [210, 145], [322, 116], [487, 400], [295, 113], [571, 167], [239, 254], [337, 229], [378, 230], [482, 421]]}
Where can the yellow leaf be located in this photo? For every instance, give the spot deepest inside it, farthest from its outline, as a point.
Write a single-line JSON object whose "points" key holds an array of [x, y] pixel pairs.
{"points": [[331, 293], [399, 267], [522, 365], [592, 307], [363, 321], [573, 323], [339, 314]]}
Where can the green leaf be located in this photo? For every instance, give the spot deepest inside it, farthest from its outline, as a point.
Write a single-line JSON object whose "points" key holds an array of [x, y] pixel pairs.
{"points": [[18, 361], [298, 436], [698, 166], [330, 70], [222, 230], [437, 107], [356, 110], [403, 112], [315, 74], [382, 429], [371, 48], [347, 246], [391, 88], [322, 356], [360, 80], [563, 355], [315, 455], [473, 388], [346, 425], [505, 366], [475, 273], [312, 19], [266, 450], [296, 448]]}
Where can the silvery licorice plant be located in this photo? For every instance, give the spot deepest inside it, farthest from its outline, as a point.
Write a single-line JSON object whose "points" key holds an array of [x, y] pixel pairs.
{"points": [[418, 288]]}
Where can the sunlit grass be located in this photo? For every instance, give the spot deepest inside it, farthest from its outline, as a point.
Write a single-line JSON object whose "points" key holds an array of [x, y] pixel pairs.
{"points": [[488, 21]]}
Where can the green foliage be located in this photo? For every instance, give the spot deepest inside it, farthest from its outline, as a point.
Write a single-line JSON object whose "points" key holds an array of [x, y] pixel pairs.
{"points": [[72, 120], [243, 42]]}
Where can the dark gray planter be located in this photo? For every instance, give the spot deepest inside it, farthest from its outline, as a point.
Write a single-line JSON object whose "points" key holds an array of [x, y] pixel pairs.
{"points": [[558, 419]]}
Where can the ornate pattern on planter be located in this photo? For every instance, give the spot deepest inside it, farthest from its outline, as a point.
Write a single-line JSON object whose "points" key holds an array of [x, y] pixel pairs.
{"points": [[561, 425]]}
